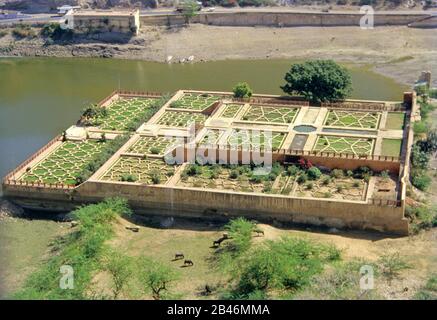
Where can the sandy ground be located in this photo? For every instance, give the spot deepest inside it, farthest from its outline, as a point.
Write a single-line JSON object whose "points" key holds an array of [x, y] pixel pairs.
{"points": [[398, 52]]}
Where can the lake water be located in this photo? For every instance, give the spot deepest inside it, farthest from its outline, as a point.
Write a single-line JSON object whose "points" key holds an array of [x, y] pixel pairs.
{"points": [[41, 97]]}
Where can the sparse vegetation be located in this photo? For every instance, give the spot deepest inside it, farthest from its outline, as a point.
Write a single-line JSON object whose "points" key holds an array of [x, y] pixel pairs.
{"points": [[83, 249]]}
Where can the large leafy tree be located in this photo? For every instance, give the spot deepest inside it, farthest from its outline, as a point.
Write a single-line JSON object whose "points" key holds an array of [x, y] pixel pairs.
{"points": [[318, 81]]}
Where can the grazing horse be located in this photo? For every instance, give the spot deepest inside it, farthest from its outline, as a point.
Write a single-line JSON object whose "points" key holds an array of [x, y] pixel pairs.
{"points": [[178, 255], [217, 243], [188, 263]]}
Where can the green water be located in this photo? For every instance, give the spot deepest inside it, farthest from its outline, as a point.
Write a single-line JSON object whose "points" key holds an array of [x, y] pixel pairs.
{"points": [[40, 97]]}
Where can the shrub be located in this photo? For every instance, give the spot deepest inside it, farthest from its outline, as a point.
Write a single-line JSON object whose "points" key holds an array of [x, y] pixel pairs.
{"points": [[154, 150], [272, 176], [337, 173], [422, 217], [314, 173], [193, 170], [326, 181], [54, 32], [420, 127], [3, 33], [22, 31], [391, 264], [419, 158], [176, 104], [349, 173], [356, 184], [234, 174], [327, 195], [420, 179], [302, 178], [310, 185], [242, 90], [292, 170], [129, 177], [385, 174], [340, 188], [156, 179], [286, 264]]}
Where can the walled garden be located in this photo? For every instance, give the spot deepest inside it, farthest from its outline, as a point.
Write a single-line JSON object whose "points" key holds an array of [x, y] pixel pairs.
{"points": [[195, 101], [140, 170], [64, 163], [352, 119], [181, 119], [124, 112], [273, 114], [339, 144], [153, 145]]}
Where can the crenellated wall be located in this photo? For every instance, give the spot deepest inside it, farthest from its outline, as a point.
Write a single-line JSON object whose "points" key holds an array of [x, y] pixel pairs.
{"points": [[288, 19], [214, 204]]}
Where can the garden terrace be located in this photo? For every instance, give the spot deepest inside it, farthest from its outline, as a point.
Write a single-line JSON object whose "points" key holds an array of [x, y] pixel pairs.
{"points": [[339, 144], [255, 139], [270, 114], [64, 163], [354, 119], [395, 120], [181, 119], [126, 113], [139, 170], [338, 138], [230, 111], [238, 178], [153, 145], [195, 101], [391, 147], [211, 136]]}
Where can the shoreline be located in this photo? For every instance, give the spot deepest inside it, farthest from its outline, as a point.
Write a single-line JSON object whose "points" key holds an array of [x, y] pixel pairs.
{"points": [[401, 57]]}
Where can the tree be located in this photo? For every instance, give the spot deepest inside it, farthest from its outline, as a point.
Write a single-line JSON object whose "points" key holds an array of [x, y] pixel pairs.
{"points": [[318, 81], [155, 277], [189, 9], [120, 268], [242, 90]]}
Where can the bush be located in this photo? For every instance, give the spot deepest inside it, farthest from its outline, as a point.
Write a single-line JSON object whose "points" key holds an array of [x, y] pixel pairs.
{"points": [[337, 173], [154, 150], [286, 264], [391, 264], [420, 127], [314, 173], [292, 170], [129, 177], [234, 174], [193, 170], [422, 217], [3, 33], [54, 32], [242, 90], [156, 179], [385, 174], [420, 179], [302, 178], [23, 31], [326, 181], [310, 185]]}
